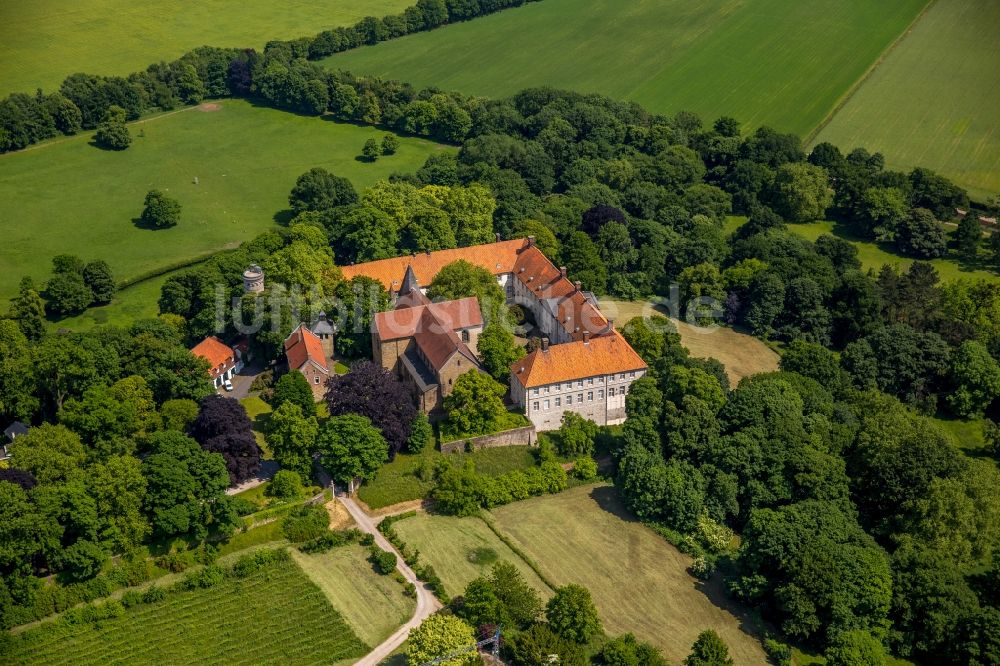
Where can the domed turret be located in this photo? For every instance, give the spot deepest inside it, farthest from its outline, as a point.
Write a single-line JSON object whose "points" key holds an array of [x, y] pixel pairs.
{"points": [[253, 279]]}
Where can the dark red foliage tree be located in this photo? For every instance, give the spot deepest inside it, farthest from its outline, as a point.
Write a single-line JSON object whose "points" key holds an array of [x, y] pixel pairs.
{"points": [[598, 216], [18, 477], [222, 426], [372, 391]]}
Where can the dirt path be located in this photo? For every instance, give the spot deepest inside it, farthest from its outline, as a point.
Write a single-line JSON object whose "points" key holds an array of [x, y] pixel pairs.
{"points": [[427, 603]]}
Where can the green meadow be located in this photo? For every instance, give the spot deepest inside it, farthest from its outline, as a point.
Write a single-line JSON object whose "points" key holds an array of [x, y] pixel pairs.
{"points": [[934, 101], [69, 196], [43, 41], [784, 63]]}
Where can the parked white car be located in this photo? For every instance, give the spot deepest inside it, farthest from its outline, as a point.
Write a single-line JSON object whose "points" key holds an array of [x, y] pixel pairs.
{"points": [[228, 385]]}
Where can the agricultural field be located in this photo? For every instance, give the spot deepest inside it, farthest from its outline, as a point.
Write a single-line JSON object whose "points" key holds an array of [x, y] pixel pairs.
{"points": [[373, 606], [400, 480], [461, 549], [43, 41], [242, 185], [933, 100], [742, 354], [784, 63], [584, 536], [276, 616]]}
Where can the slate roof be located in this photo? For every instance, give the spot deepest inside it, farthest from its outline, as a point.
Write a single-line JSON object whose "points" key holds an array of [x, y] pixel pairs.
{"points": [[303, 346], [15, 429], [605, 355]]}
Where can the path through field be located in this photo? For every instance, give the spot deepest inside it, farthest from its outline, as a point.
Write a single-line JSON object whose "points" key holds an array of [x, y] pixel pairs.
{"points": [[427, 603]]}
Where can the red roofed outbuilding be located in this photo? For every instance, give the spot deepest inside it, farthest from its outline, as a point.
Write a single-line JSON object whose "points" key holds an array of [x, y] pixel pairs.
{"points": [[304, 352], [224, 361]]}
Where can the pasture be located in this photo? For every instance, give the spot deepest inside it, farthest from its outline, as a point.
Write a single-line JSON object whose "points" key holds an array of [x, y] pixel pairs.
{"points": [[373, 605], [276, 616], [461, 549], [742, 354], [639, 581], [44, 41], [784, 63], [933, 100], [69, 196]]}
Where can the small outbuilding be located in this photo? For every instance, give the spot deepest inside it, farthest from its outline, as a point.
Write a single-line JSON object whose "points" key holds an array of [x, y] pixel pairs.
{"points": [[12, 432]]}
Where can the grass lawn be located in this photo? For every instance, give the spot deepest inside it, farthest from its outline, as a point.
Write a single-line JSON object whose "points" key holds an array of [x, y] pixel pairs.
{"points": [[136, 302], [461, 549], [639, 581], [277, 616], [742, 354], [259, 413], [397, 481], [43, 41], [933, 100], [374, 606], [68, 196], [968, 434], [784, 63], [875, 255]]}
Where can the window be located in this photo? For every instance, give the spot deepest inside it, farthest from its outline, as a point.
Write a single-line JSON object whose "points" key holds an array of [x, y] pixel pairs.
{"points": [[590, 382], [611, 392], [534, 391], [569, 400], [316, 379], [631, 375], [590, 396], [600, 380], [579, 384], [622, 377], [546, 390], [579, 397], [534, 406], [546, 406], [465, 336], [558, 402], [600, 394], [625, 390], [449, 382]]}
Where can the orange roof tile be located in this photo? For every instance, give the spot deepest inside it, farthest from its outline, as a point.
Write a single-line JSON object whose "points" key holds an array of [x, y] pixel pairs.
{"points": [[439, 345], [219, 355], [303, 346], [603, 355], [405, 322], [497, 258]]}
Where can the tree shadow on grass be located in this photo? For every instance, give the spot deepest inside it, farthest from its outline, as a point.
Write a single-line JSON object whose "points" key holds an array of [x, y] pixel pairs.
{"points": [[283, 217], [140, 223]]}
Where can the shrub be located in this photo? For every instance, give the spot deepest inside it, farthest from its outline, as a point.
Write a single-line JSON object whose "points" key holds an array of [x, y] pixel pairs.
{"points": [[285, 485], [242, 506], [251, 563], [383, 561], [131, 598], [585, 468], [305, 523], [152, 594], [779, 653], [204, 578], [390, 144], [328, 541]]}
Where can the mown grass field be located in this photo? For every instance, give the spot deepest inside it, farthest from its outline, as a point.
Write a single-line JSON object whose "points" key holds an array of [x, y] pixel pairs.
{"points": [[933, 101], [43, 41], [398, 481], [784, 63], [742, 354], [461, 549], [69, 196], [277, 616], [639, 581], [373, 606]]}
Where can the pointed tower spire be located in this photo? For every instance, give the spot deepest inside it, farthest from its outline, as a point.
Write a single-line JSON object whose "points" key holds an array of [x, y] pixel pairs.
{"points": [[409, 282]]}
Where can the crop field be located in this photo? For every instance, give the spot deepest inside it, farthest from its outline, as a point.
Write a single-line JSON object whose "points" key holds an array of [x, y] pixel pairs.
{"points": [[784, 63], [277, 616], [44, 41], [373, 606], [69, 196], [639, 581], [933, 101], [742, 354], [461, 549]]}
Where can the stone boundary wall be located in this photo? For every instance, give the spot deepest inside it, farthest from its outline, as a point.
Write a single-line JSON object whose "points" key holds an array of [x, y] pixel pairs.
{"points": [[524, 436]]}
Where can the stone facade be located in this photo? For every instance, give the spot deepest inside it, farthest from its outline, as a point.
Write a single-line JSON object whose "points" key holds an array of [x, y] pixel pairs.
{"points": [[525, 436], [599, 398]]}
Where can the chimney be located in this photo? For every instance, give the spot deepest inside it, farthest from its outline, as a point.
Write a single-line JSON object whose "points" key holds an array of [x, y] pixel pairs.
{"points": [[586, 337], [578, 285], [545, 344], [611, 325], [428, 253], [520, 370], [562, 271], [531, 241], [498, 237]]}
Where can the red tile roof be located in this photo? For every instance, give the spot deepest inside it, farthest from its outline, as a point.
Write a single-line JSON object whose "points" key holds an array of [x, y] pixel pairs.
{"points": [[438, 344], [604, 355], [303, 346], [219, 355], [404, 322], [497, 258]]}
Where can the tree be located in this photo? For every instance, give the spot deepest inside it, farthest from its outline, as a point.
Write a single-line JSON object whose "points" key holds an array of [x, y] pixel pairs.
{"points": [[291, 436], [390, 144], [28, 310], [178, 414], [421, 434], [105, 414], [371, 150], [222, 426], [975, 378], [66, 292], [319, 190], [519, 602], [160, 211], [969, 235], [475, 405], [294, 387], [351, 448], [920, 235], [372, 391], [576, 435], [539, 643], [50, 453], [119, 490], [97, 276], [802, 192], [112, 133], [626, 650], [498, 350], [440, 635], [855, 648], [286, 485], [571, 613], [709, 650], [583, 262], [460, 279]]}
